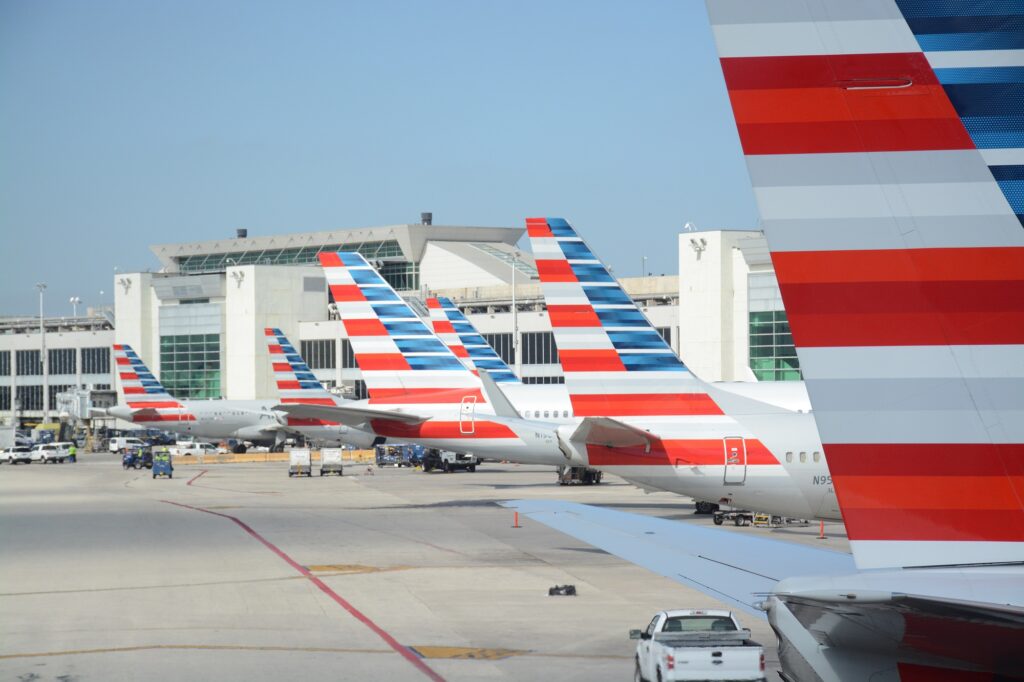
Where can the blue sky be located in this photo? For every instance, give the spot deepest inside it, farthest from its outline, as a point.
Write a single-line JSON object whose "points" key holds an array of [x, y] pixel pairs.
{"points": [[126, 124]]}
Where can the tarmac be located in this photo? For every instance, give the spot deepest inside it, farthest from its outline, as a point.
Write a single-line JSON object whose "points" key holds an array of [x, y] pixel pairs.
{"points": [[238, 572]]}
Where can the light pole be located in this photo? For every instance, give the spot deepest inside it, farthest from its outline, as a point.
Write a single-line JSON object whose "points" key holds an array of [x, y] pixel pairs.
{"points": [[41, 286], [74, 301], [643, 269], [515, 314]]}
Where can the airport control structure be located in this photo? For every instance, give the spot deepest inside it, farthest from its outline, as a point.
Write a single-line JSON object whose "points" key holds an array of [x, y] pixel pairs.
{"points": [[197, 318]]}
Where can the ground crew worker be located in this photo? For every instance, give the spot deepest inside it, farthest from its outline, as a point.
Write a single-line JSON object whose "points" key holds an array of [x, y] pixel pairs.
{"points": [[73, 453]]}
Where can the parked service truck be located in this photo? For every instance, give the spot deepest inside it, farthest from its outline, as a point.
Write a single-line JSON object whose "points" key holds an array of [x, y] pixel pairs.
{"points": [[696, 644]]}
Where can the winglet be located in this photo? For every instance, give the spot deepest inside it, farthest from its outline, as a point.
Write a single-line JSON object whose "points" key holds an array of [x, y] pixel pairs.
{"points": [[502, 406]]}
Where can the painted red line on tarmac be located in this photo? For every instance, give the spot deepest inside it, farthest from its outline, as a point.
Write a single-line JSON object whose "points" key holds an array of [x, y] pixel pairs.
{"points": [[191, 480], [404, 651]]}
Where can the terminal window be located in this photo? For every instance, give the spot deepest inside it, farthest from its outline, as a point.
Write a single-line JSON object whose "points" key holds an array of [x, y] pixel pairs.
{"points": [[772, 353], [348, 358], [5, 398], [28, 363], [29, 397], [190, 365], [96, 360], [539, 348], [62, 361], [502, 345], [54, 390], [5, 364], [319, 353]]}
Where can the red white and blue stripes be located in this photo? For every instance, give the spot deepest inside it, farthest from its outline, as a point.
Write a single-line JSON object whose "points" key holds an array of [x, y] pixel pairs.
{"points": [[400, 358], [615, 362], [295, 381], [459, 334], [899, 253], [143, 392]]}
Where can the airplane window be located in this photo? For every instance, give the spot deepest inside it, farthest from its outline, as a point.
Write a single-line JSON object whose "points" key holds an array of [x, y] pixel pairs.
{"points": [[545, 414], [789, 457], [817, 456], [803, 457], [565, 414]]}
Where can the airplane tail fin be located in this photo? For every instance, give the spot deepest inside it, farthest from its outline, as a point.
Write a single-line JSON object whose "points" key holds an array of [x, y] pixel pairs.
{"points": [[884, 145], [295, 380], [400, 358], [142, 391], [616, 363], [459, 334]]}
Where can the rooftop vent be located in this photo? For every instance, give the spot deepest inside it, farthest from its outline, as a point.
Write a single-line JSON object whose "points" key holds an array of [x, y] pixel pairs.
{"points": [[241, 233], [427, 218]]}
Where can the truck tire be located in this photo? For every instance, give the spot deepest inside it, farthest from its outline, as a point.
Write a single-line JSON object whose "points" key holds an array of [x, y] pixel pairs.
{"points": [[472, 468], [637, 674], [447, 468], [719, 519]]}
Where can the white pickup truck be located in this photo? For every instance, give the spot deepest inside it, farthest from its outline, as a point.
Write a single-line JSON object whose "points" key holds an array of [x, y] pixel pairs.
{"points": [[696, 644], [185, 447]]}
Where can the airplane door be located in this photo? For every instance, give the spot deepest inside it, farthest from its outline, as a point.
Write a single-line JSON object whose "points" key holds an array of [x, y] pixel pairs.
{"points": [[467, 415], [735, 460]]}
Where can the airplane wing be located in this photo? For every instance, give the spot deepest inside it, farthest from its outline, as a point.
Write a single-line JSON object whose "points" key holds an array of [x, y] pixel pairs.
{"points": [[738, 569], [350, 416]]}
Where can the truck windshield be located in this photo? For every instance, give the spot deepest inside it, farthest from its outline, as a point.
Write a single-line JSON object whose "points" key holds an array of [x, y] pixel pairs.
{"points": [[699, 624]]}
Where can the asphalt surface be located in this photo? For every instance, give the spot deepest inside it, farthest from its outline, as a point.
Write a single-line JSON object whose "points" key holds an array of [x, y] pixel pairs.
{"points": [[238, 572]]}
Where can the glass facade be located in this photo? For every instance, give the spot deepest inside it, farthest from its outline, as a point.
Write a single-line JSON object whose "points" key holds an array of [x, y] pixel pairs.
{"points": [[190, 365], [539, 348], [319, 353], [62, 360], [29, 397], [96, 360], [5, 364], [27, 362], [772, 353], [54, 390], [502, 345], [402, 276]]}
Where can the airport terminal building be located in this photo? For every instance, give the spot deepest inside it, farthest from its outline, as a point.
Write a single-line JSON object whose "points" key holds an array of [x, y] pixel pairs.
{"points": [[198, 319]]}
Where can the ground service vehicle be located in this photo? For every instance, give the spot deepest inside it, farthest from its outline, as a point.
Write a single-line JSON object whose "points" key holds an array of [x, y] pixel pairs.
{"points": [[330, 461], [122, 444], [162, 464], [48, 453], [182, 448], [446, 460], [19, 454], [696, 644], [300, 462]]}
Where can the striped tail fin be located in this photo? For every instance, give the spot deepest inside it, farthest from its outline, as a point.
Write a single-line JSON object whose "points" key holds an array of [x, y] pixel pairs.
{"points": [[143, 392], [401, 360], [295, 380], [615, 362], [883, 141], [459, 334]]}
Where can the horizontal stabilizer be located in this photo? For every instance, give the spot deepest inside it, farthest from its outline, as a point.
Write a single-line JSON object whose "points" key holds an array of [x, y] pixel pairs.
{"points": [[733, 567], [611, 433], [350, 416]]}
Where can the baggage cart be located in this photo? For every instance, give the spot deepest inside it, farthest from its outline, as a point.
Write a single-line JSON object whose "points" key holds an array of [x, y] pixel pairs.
{"points": [[330, 461], [300, 463]]}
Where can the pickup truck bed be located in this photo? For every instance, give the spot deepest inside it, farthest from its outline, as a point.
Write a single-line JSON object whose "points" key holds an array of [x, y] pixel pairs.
{"points": [[676, 647]]}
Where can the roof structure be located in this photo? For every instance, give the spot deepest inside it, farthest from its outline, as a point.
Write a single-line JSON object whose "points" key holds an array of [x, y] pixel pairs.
{"points": [[388, 243]]}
